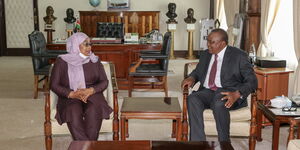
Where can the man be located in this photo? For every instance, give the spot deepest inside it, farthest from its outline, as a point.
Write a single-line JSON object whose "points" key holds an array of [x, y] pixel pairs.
{"points": [[226, 77]]}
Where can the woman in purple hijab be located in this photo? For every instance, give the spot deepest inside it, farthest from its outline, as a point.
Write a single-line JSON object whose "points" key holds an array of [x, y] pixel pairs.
{"points": [[78, 78]]}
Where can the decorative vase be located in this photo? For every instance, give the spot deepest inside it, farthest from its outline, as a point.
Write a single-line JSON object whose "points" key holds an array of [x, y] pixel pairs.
{"points": [[95, 3]]}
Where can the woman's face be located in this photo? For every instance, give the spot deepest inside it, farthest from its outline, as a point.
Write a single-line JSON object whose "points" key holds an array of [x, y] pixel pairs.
{"points": [[85, 47]]}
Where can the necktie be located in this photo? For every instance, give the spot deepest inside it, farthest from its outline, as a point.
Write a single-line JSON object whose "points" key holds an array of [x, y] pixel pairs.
{"points": [[212, 74]]}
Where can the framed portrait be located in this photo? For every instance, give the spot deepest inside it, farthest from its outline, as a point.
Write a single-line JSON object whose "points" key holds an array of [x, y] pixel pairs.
{"points": [[117, 4]]}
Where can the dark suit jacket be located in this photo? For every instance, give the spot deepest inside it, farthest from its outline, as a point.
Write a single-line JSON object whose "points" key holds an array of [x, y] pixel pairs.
{"points": [[236, 73]]}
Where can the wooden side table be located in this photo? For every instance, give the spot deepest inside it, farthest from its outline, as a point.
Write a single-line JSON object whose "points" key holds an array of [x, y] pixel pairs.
{"points": [[276, 117], [271, 82], [151, 108]]}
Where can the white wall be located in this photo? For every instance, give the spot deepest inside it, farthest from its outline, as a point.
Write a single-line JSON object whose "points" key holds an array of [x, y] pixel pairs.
{"points": [[201, 9]]}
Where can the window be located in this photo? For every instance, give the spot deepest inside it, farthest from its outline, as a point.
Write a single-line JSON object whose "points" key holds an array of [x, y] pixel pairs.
{"points": [[222, 19], [281, 36]]}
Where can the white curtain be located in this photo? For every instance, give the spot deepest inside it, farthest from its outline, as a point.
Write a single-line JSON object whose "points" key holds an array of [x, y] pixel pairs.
{"points": [[269, 9], [217, 8], [296, 19], [231, 8]]}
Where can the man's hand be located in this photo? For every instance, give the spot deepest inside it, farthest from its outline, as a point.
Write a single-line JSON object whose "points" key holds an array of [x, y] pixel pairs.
{"points": [[188, 81], [231, 98]]}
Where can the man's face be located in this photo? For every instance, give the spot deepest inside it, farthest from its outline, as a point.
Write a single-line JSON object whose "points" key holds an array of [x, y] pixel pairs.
{"points": [[214, 43]]}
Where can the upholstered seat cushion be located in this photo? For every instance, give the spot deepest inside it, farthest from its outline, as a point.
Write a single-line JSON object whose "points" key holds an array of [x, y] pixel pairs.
{"points": [[294, 144], [43, 70]]}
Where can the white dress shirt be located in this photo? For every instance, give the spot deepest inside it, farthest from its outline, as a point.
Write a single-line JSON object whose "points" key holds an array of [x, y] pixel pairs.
{"points": [[219, 66]]}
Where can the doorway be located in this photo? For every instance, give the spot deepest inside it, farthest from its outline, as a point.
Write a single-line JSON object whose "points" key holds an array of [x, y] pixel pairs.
{"points": [[15, 25]]}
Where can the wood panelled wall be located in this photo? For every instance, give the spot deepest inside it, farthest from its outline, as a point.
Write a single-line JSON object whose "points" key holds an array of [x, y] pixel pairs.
{"points": [[2, 29], [146, 20], [252, 32]]}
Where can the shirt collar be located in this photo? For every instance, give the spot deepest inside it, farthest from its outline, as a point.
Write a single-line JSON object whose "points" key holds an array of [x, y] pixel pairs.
{"points": [[222, 52]]}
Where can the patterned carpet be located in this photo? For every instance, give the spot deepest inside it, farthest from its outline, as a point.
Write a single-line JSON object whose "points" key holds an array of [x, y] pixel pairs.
{"points": [[22, 117]]}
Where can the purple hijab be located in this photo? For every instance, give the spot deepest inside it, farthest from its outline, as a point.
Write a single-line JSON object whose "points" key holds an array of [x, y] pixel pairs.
{"points": [[75, 61]]}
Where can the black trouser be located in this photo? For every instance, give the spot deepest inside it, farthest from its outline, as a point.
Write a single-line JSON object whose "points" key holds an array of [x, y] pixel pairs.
{"points": [[207, 99]]}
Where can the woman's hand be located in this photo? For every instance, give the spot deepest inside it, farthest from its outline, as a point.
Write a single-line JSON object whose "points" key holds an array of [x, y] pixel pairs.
{"points": [[74, 95], [82, 94], [85, 93]]}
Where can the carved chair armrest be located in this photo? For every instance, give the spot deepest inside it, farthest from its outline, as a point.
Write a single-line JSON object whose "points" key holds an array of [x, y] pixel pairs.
{"points": [[133, 68], [115, 102], [47, 123], [56, 52], [149, 52], [154, 56], [44, 55]]}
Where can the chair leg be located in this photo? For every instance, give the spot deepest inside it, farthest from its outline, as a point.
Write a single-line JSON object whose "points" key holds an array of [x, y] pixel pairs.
{"points": [[165, 86], [130, 86], [45, 84], [35, 86], [126, 129], [174, 126]]}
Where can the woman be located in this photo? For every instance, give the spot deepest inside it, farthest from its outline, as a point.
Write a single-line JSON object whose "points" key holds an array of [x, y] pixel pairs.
{"points": [[78, 78]]}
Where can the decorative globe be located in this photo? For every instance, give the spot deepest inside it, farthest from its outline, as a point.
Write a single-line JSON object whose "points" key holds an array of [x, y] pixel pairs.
{"points": [[95, 3]]}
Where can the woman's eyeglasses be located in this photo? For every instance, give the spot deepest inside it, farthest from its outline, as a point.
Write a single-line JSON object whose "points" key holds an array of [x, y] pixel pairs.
{"points": [[87, 44], [289, 109]]}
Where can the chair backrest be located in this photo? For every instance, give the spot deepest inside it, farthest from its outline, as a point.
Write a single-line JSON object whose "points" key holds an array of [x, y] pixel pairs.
{"points": [[37, 44], [166, 46]]}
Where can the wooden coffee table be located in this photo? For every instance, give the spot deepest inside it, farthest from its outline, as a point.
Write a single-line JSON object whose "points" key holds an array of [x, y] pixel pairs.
{"points": [[151, 108]]}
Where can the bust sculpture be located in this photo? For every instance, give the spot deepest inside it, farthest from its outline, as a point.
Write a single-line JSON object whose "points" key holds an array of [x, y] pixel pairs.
{"points": [[70, 16], [49, 18], [190, 16], [171, 13]]}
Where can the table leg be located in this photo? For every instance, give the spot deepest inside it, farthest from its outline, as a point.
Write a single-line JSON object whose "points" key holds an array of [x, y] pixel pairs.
{"points": [[126, 128], [179, 129], [123, 138], [259, 125], [174, 125], [275, 137]]}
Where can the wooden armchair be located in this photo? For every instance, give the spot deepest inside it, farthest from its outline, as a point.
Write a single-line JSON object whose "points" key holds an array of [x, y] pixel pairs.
{"points": [[243, 120], [294, 142], [52, 127]]}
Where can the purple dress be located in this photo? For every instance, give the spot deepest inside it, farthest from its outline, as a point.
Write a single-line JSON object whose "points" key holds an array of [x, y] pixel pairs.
{"points": [[94, 77]]}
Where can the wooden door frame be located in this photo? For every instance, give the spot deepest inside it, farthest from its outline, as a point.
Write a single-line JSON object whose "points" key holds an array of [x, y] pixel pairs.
{"points": [[4, 51], [2, 29]]}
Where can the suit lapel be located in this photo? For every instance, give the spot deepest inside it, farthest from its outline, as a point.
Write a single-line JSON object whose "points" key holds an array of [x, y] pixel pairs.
{"points": [[225, 64], [206, 64]]}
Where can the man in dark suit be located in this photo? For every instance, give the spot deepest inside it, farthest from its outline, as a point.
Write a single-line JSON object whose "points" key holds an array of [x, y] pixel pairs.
{"points": [[226, 79]]}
